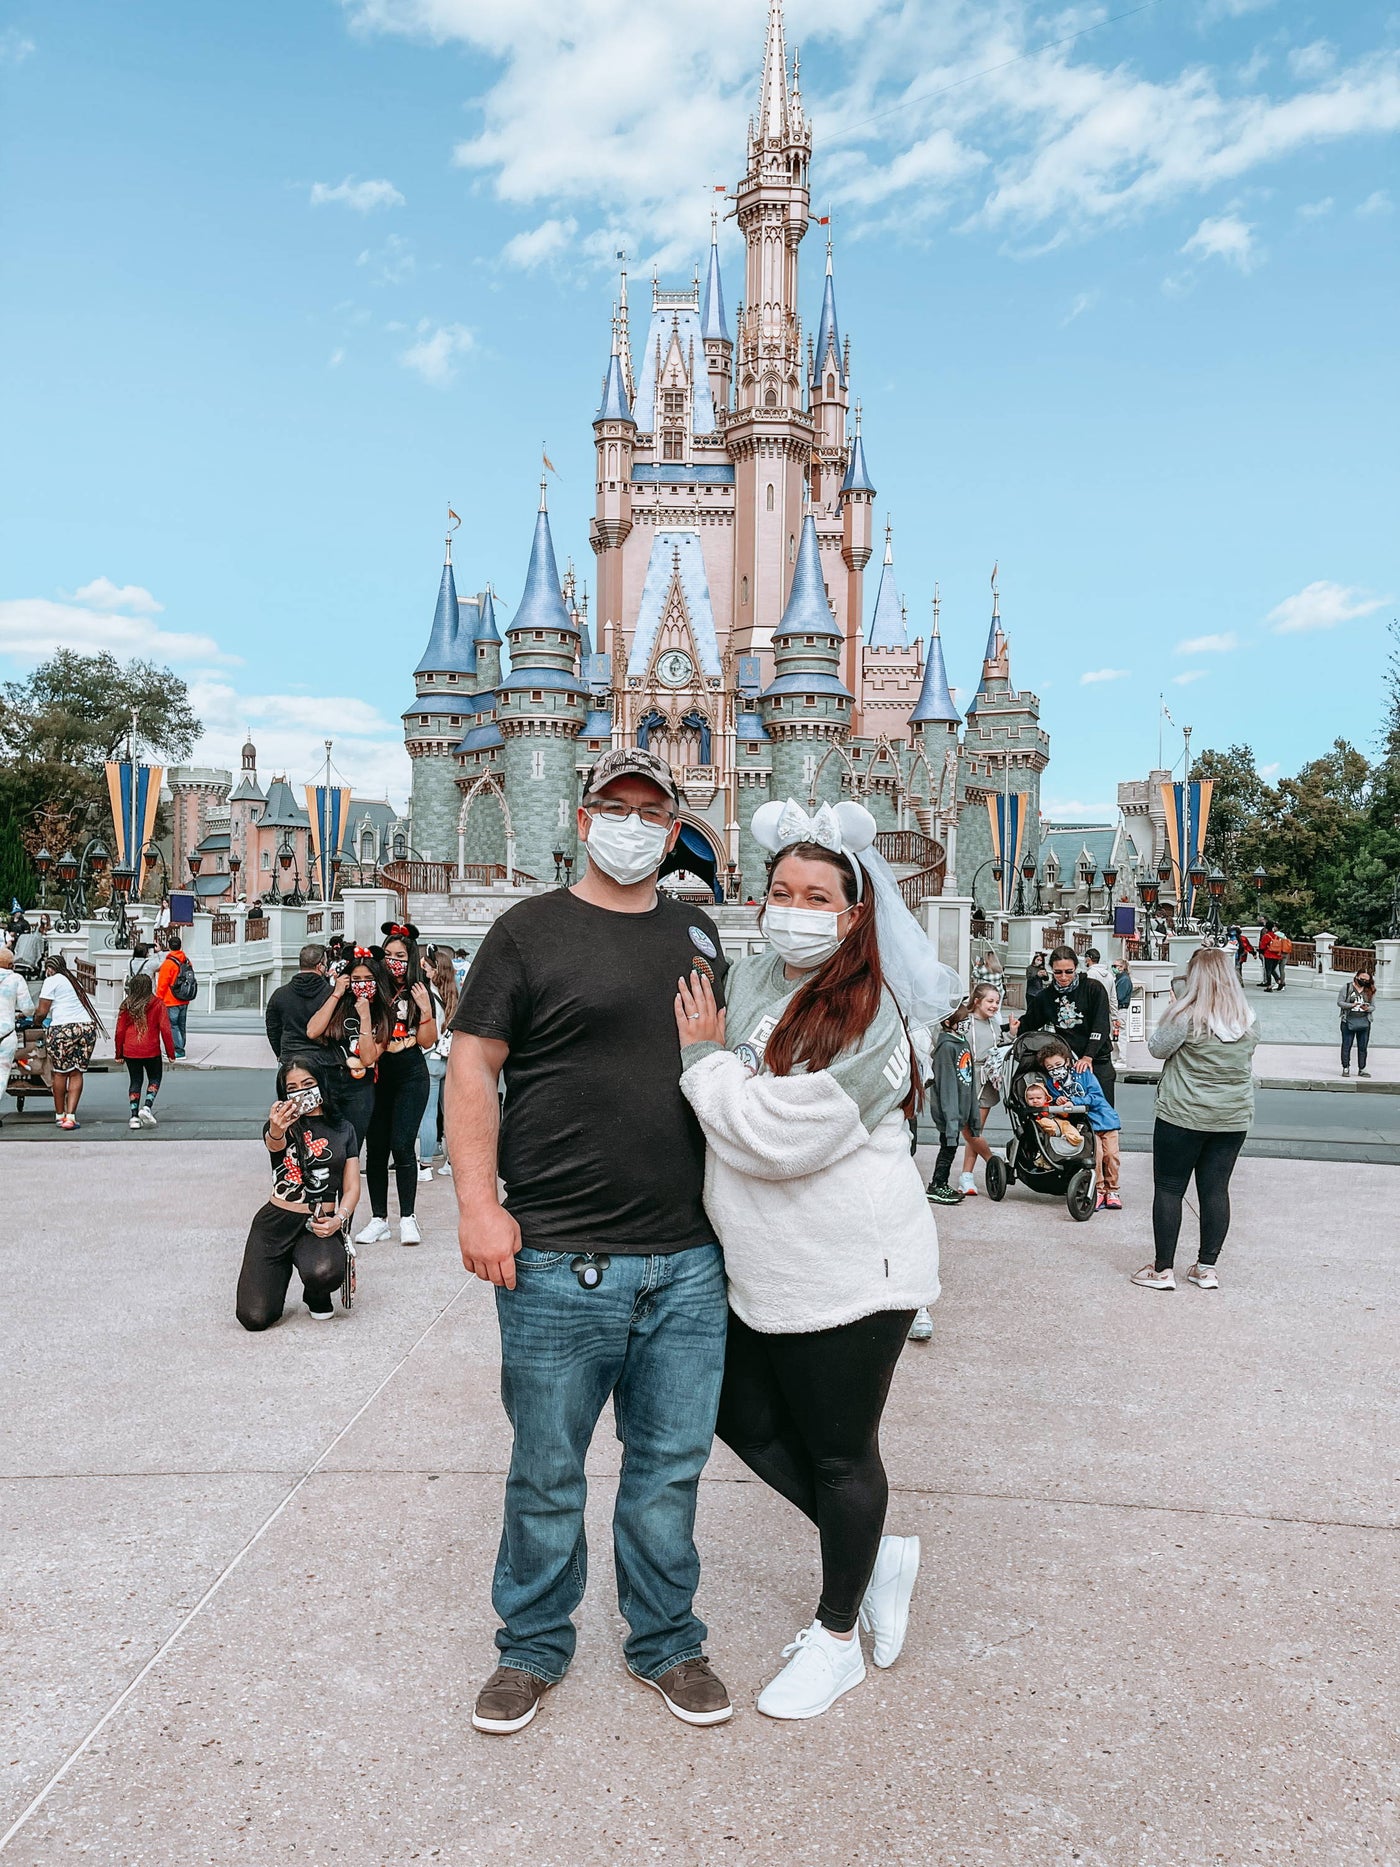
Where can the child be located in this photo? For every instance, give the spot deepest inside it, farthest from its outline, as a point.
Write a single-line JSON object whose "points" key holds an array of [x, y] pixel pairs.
{"points": [[1080, 1089], [143, 1025], [1035, 1093], [985, 1033], [952, 1101]]}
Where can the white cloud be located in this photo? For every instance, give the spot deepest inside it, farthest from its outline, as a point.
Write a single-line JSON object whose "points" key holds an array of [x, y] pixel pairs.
{"points": [[432, 356], [363, 197], [1269, 771], [1226, 237], [1075, 810], [33, 627], [391, 263], [335, 359], [1083, 301], [1103, 674], [1322, 605], [14, 47], [289, 731], [1312, 61], [1377, 202], [1316, 210], [547, 241], [1191, 674], [1209, 644], [102, 593]]}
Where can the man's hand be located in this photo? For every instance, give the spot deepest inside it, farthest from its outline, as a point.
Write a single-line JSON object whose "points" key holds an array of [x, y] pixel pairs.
{"points": [[1084, 1066], [488, 1238]]}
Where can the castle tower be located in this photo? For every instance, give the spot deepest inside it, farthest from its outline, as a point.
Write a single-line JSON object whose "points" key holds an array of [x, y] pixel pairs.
{"points": [[806, 708], [933, 727], [444, 680], [1004, 750], [719, 348], [540, 712], [487, 644], [892, 671], [770, 434], [245, 808], [857, 532], [830, 400], [615, 435]]}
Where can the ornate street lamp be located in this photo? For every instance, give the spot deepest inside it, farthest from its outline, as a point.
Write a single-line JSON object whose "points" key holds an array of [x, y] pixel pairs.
{"points": [[1110, 880], [42, 863], [1027, 875], [122, 878], [1259, 877], [235, 863], [194, 863], [558, 865], [1215, 887], [286, 857]]}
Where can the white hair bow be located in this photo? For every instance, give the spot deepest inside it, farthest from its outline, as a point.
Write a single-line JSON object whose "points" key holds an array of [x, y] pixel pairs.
{"points": [[845, 829]]}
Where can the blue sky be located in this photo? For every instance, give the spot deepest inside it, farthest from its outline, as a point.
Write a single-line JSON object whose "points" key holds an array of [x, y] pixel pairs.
{"points": [[280, 282]]}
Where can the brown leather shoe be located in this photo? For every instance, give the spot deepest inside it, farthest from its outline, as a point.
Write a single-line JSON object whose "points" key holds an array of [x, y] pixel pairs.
{"points": [[693, 1692], [508, 1701]]}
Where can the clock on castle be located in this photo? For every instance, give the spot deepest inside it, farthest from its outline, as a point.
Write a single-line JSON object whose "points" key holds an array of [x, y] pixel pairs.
{"points": [[733, 527]]}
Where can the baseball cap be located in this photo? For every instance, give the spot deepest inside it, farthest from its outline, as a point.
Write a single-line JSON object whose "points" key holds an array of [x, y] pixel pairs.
{"points": [[632, 762]]}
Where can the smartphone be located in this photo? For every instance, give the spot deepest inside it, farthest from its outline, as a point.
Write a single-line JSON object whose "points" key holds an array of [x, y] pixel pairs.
{"points": [[305, 1101]]}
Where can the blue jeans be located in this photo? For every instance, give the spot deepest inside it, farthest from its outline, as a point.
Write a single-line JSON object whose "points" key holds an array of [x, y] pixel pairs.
{"points": [[652, 1336], [427, 1128], [178, 1014]]}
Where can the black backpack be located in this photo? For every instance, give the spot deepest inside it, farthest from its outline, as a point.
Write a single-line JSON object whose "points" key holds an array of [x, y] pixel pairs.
{"points": [[184, 986]]}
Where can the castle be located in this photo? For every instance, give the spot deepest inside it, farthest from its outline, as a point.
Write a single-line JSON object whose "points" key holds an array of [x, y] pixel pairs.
{"points": [[733, 527]]}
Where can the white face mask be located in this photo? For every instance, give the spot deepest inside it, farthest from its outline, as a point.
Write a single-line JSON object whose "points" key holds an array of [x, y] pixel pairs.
{"points": [[804, 937], [629, 851]]}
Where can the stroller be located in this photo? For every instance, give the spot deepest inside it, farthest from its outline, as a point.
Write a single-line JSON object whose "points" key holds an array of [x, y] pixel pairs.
{"points": [[1044, 1163]]}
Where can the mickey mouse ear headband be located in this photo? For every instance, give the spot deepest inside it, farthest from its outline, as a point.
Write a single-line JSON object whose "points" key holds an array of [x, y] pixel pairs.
{"points": [[845, 829], [399, 930]]}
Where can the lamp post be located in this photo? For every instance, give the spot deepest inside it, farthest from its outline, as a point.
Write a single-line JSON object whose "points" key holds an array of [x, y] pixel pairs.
{"points": [[73, 872], [287, 860], [153, 853], [568, 870], [42, 863], [558, 855], [235, 863], [994, 864], [1026, 876], [1215, 887], [122, 878], [731, 871]]}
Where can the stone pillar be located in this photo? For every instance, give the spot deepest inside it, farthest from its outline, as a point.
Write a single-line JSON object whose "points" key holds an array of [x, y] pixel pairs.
{"points": [[1325, 943], [1152, 982], [1180, 947], [366, 910], [947, 920], [1387, 969]]}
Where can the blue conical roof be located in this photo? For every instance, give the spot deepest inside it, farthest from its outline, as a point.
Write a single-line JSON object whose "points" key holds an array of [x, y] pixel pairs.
{"points": [[935, 696], [808, 612], [614, 405], [542, 606], [446, 653], [712, 322], [887, 624], [857, 478], [828, 334], [466, 632], [486, 630]]}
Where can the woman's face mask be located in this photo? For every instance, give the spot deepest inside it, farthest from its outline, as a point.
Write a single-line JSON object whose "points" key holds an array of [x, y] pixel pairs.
{"points": [[362, 988], [803, 937], [397, 964]]}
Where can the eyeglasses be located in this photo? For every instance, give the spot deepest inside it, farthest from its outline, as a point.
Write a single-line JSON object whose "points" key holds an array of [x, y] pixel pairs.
{"points": [[1063, 972], [656, 815]]}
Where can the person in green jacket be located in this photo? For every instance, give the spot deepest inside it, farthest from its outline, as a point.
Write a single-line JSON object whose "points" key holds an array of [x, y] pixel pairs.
{"points": [[1205, 1105]]}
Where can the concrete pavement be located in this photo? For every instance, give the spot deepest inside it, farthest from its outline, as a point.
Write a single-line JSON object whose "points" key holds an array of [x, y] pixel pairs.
{"points": [[247, 1577]]}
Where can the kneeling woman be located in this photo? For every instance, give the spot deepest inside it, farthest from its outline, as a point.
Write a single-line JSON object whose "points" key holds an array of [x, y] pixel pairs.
{"points": [[315, 1189], [829, 1244]]}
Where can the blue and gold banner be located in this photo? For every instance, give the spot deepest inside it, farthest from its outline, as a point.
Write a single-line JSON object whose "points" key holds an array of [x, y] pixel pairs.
{"points": [[328, 806], [1187, 806], [1009, 812], [135, 793]]}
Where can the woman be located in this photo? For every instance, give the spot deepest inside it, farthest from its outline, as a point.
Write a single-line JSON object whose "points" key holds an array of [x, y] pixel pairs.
{"points": [[984, 1029], [1357, 1002], [315, 1189], [400, 1088], [830, 1247], [987, 969], [1269, 953], [1205, 1104], [355, 1021], [1037, 977], [442, 984], [71, 1037], [1238, 945], [143, 1026]]}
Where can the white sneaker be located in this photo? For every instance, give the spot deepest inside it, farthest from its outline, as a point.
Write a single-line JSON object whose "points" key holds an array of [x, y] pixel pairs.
{"points": [[134, 1122], [409, 1233], [1149, 1279], [885, 1609], [373, 1232], [319, 1315], [445, 1170], [921, 1329], [1203, 1276], [820, 1670], [148, 1118], [424, 1173], [967, 1183]]}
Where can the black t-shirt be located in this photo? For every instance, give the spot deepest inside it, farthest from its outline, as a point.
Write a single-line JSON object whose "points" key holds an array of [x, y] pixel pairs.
{"points": [[599, 1149], [311, 1171], [1081, 1016]]}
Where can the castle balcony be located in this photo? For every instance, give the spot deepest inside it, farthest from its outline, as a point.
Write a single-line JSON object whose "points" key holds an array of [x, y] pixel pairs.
{"points": [[699, 783]]}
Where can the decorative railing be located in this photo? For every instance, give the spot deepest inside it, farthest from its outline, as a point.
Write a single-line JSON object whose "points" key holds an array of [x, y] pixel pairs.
{"points": [[255, 927], [1304, 953], [223, 930], [337, 920], [1352, 958], [911, 848], [1081, 940], [919, 886], [315, 923], [417, 878], [86, 975]]}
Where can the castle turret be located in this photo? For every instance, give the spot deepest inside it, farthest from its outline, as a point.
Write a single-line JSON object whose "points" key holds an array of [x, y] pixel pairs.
{"points": [[1004, 751], [614, 436], [444, 680], [806, 708], [487, 644], [540, 711], [719, 348], [857, 527], [828, 377]]}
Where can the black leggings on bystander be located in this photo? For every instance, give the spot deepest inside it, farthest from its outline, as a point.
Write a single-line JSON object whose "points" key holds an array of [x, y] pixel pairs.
{"points": [[400, 1097], [1177, 1153]]}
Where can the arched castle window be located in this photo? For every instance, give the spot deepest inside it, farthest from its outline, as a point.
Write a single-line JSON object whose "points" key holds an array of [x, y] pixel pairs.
{"points": [[743, 589], [770, 398], [831, 385], [769, 501], [612, 460], [792, 549]]}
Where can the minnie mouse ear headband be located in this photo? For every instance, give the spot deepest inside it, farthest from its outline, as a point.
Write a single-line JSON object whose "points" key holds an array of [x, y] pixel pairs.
{"points": [[844, 829], [399, 930]]}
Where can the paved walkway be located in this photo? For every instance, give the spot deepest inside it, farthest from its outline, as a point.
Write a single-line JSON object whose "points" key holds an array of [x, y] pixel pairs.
{"points": [[246, 1578]]}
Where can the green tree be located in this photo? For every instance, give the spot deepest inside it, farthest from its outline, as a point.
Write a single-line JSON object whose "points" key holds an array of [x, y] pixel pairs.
{"points": [[17, 881], [59, 726], [1239, 801]]}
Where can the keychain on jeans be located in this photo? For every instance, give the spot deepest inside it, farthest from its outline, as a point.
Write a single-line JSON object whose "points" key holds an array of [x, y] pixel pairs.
{"points": [[588, 1267]]}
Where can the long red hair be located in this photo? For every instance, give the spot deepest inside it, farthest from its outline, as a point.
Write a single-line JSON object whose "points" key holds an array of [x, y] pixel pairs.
{"points": [[836, 1004]]}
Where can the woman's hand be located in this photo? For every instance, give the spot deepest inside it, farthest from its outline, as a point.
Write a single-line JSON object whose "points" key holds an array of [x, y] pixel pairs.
{"points": [[340, 985], [280, 1118], [698, 1019], [422, 1000], [326, 1225]]}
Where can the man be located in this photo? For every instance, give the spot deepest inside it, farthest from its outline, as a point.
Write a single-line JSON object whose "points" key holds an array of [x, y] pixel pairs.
{"points": [[1076, 1008], [460, 966], [16, 1001], [608, 1280], [1094, 966], [29, 947], [292, 1004], [165, 991]]}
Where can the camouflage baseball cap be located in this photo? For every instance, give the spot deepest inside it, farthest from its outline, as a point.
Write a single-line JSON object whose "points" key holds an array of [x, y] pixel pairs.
{"points": [[632, 762]]}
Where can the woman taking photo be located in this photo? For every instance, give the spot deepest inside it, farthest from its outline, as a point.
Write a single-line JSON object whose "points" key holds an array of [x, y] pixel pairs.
{"points": [[71, 1037], [1205, 1105], [355, 1022], [830, 1247], [442, 986], [1357, 1002], [400, 1089], [1037, 977], [143, 1025], [315, 1189]]}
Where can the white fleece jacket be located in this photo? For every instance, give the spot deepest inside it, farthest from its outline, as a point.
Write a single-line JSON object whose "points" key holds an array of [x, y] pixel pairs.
{"points": [[809, 1181]]}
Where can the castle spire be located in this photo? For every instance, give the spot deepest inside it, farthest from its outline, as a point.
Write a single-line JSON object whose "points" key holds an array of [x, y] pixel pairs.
{"points": [[887, 628], [616, 404], [935, 702], [624, 335], [445, 653], [828, 331], [712, 323], [858, 478], [772, 123]]}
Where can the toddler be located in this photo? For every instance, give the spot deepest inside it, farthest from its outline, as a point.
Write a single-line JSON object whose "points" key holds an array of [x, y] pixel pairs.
{"points": [[1080, 1089]]}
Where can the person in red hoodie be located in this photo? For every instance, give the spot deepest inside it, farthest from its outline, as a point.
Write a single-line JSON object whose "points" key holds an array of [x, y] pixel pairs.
{"points": [[143, 1026]]}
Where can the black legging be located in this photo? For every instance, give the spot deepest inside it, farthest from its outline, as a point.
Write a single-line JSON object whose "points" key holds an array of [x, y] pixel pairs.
{"points": [[357, 1104], [278, 1241], [153, 1067], [400, 1097], [803, 1411], [1177, 1153]]}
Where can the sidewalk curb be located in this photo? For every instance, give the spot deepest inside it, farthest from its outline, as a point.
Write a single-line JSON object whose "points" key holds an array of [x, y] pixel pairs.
{"points": [[1335, 1085]]}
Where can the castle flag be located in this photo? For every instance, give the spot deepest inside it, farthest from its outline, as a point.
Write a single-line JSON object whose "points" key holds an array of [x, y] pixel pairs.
{"points": [[1009, 812], [134, 791], [328, 807], [1187, 806]]}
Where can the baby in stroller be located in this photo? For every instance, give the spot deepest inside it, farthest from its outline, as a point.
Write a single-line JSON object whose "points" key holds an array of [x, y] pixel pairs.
{"points": [[1052, 1140], [1064, 1136]]}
